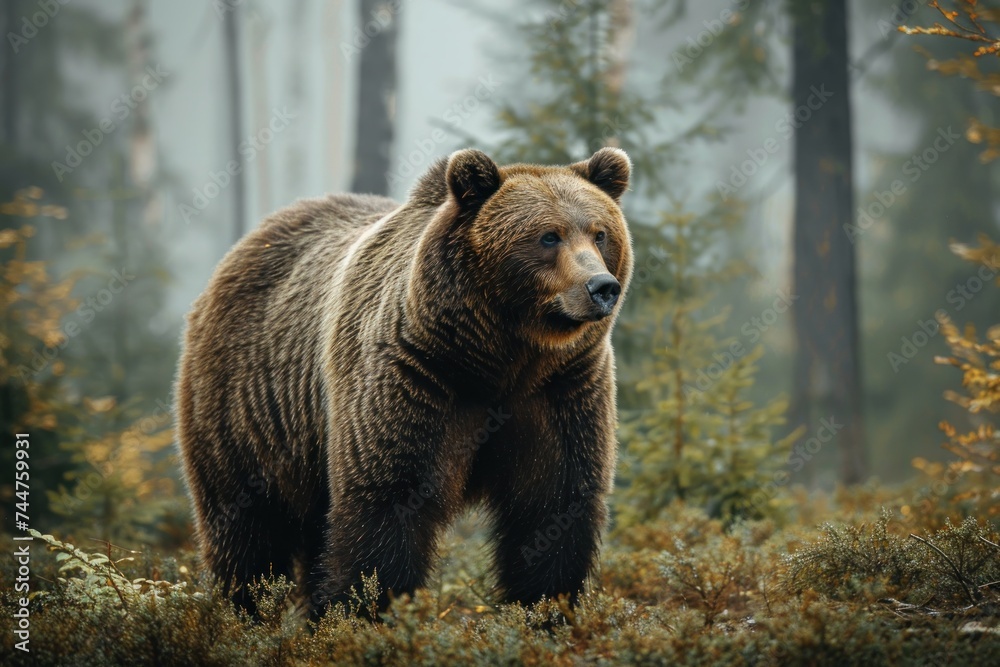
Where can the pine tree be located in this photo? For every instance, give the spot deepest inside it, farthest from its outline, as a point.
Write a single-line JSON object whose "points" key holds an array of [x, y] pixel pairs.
{"points": [[109, 355], [978, 450], [33, 377], [376, 57], [703, 441], [709, 445], [908, 273]]}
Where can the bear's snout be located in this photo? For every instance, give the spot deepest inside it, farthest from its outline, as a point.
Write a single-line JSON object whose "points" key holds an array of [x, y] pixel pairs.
{"points": [[604, 291]]}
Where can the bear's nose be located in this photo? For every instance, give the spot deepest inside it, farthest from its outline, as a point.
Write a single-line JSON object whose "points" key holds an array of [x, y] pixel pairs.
{"points": [[604, 291]]}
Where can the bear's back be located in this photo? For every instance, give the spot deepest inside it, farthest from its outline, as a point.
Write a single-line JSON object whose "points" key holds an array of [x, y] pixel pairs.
{"points": [[285, 259], [252, 337]]}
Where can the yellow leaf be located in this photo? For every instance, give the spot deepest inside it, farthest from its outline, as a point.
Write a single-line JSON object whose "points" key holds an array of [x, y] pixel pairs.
{"points": [[8, 237], [99, 405]]}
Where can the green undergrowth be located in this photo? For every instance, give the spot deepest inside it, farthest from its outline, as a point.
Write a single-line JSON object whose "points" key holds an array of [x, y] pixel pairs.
{"points": [[876, 588]]}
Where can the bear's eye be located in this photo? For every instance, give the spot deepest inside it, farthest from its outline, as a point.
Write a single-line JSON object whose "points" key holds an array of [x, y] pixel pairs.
{"points": [[600, 237], [550, 239]]}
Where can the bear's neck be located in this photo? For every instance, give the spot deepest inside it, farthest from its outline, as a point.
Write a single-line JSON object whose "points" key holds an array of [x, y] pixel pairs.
{"points": [[474, 349], [455, 331]]}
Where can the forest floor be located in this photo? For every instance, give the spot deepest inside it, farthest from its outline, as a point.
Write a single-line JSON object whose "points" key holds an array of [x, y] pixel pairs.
{"points": [[884, 584]]}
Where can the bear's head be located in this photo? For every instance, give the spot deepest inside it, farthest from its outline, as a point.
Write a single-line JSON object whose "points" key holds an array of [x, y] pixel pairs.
{"points": [[548, 246]]}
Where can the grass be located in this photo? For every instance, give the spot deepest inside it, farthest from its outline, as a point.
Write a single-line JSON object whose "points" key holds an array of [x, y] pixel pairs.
{"points": [[877, 587]]}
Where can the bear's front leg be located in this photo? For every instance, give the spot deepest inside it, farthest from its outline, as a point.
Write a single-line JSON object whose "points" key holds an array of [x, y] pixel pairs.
{"points": [[382, 531], [547, 545], [392, 490], [552, 473]]}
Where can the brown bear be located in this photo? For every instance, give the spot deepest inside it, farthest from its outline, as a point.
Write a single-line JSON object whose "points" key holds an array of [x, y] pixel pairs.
{"points": [[358, 371]]}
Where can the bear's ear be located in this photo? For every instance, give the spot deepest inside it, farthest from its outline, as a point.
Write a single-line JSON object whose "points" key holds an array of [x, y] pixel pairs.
{"points": [[609, 169], [472, 178]]}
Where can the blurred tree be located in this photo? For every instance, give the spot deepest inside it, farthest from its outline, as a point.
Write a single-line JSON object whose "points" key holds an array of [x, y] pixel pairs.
{"points": [[234, 92], [900, 281], [9, 81], [374, 43], [110, 340], [122, 486], [334, 101], [259, 28], [969, 22], [43, 113], [978, 451], [827, 376], [687, 434], [575, 100], [115, 457], [929, 185], [125, 335], [299, 145], [703, 441], [32, 388]]}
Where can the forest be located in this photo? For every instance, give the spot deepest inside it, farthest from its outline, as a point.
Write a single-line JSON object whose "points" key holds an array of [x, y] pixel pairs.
{"points": [[808, 355]]}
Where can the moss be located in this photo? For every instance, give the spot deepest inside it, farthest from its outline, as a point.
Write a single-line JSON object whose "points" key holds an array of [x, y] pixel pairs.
{"points": [[688, 590]]}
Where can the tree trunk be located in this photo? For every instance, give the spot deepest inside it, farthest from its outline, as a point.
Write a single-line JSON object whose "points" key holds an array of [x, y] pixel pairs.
{"points": [[235, 94], [621, 35], [297, 144], [10, 78], [376, 98], [827, 370], [258, 31], [334, 99]]}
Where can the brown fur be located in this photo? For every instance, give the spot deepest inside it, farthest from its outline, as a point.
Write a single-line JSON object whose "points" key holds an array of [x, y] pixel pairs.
{"points": [[357, 372]]}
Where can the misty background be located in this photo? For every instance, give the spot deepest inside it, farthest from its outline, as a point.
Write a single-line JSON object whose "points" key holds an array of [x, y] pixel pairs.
{"points": [[303, 57], [164, 96]]}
